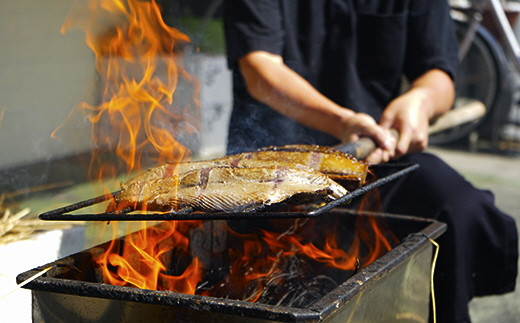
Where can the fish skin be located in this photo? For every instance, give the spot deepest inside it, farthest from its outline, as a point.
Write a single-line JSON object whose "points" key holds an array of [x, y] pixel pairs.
{"points": [[208, 189], [332, 162]]}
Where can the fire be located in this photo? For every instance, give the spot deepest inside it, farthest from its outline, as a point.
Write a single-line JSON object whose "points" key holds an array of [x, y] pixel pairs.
{"points": [[138, 58], [139, 61], [264, 259], [252, 266], [142, 259]]}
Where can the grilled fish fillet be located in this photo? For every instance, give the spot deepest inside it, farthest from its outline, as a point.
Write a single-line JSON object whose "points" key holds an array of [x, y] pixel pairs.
{"points": [[329, 161], [335, 164], [227, 188]]}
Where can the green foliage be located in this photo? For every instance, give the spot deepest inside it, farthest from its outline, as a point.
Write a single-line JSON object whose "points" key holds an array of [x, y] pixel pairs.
{"points": [[207, 35]]}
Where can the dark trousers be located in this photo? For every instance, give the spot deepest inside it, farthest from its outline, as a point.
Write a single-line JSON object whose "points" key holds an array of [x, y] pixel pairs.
{"points": [[478, 252]]}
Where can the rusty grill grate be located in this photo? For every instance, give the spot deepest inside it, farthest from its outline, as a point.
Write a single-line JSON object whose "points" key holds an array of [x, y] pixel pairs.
{"points": [[385, 173]]}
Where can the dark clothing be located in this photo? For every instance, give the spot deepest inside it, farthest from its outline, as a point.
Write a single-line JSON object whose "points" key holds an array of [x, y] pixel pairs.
{"points": [[479, 251], [356, 52]]}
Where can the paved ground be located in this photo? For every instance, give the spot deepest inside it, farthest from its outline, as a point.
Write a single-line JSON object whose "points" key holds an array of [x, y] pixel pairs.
{"points": [[501, 175]]}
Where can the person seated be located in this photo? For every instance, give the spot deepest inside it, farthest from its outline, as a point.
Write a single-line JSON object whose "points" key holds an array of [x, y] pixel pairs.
{"points": [[327, 72]]}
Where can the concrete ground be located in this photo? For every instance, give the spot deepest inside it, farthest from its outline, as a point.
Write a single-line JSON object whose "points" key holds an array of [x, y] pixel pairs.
{"points": [[501, 175]]}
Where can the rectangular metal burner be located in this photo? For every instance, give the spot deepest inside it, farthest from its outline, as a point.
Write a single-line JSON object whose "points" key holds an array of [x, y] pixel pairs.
{"points": [[397, 285]]}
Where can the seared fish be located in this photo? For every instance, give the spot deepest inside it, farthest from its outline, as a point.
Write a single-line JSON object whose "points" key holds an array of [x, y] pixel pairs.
{"points": [[329, 161], [228, 189]]}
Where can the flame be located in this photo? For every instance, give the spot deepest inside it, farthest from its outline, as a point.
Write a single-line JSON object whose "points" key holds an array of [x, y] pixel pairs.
{"points": [[139, 60], [261, 259], [141, 259], [161, 257]]}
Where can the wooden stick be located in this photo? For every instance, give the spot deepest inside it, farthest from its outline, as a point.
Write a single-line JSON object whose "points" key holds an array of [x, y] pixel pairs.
{"points": [[471, 110]]}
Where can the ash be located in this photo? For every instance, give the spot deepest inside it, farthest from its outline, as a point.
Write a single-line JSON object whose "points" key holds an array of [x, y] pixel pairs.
{"points": [[295, 283]]}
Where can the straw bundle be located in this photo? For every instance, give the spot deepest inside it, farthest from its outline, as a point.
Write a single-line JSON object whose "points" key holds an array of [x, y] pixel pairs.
{"points": [[19, 225]]}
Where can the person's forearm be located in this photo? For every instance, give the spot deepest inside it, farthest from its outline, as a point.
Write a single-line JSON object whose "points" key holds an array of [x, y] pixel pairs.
{"points": [[271, 82], [436, 90]]}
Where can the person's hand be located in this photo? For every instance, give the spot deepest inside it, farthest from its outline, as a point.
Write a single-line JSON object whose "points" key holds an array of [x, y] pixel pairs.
{"points": [[362, 125], [408, 115], [429, 96]]}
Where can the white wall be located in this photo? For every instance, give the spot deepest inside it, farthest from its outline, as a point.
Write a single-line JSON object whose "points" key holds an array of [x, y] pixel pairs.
{"points": [[216, 101], [43, 75]]}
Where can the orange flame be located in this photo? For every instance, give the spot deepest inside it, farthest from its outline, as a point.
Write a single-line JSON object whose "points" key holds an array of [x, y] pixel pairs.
{"points": [[263, 258], [139, 63], [139, 58], [142, 259]]}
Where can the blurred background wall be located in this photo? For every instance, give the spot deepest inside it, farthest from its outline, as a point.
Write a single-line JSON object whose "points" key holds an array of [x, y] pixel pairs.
{"points": [[45, 74]]}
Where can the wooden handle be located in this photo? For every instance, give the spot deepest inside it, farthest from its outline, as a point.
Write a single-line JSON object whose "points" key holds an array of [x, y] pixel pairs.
{"points": [[360, 149], [469, 111], [363, 147]]}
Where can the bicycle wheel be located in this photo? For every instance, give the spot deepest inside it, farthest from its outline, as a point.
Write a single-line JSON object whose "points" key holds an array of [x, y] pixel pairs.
{"points": [[482, 75]]}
